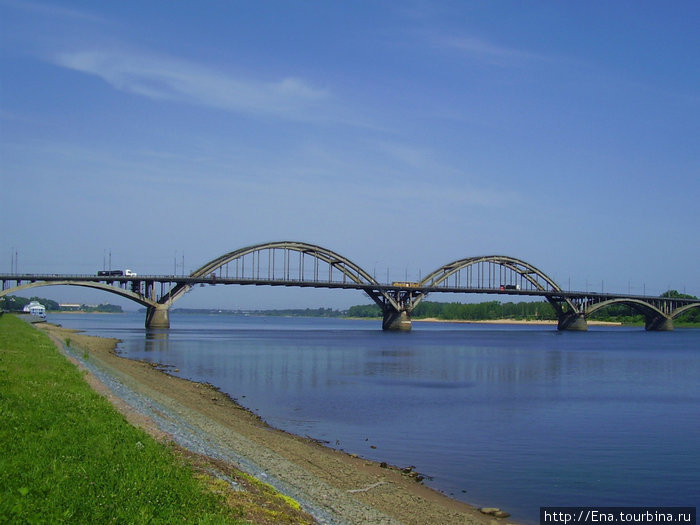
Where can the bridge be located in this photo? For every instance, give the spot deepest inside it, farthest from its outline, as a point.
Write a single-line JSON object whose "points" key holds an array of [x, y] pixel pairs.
{"points": [[305, 265]]}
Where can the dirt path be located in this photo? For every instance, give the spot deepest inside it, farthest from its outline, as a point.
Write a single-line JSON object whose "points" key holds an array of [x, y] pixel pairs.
{"points": [[336, 488]]}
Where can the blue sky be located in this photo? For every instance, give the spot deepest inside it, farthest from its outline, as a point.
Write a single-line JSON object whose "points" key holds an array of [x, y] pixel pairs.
{"points": [[403, 135]]}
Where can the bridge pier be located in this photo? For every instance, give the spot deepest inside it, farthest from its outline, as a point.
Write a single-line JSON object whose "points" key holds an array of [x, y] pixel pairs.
{"points": [[659, 324], [573, 322], [157, 317], [395, 320]]}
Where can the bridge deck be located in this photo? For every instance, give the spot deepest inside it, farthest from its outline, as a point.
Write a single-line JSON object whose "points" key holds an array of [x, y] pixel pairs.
{"points": [[18, 279]]}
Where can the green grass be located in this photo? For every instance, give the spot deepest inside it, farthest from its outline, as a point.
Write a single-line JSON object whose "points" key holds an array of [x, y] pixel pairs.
{"points": [[67, 456]]}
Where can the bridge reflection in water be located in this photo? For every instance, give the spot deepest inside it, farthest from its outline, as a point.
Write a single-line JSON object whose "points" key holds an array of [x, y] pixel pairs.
{"points": [[305, 265]]}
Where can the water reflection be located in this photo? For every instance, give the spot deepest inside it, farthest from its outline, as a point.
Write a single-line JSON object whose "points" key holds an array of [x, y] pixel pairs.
{"points": [[515, 417], [156, 340]]}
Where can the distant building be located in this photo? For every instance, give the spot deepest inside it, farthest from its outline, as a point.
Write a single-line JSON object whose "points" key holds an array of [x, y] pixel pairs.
{"points": [[69, 306], [35, 308]]}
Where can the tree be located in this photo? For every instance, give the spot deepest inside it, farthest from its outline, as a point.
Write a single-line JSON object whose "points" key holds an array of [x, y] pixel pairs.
{"points": [[675, 294], [12, 303], [48, 303], [364, 310]]}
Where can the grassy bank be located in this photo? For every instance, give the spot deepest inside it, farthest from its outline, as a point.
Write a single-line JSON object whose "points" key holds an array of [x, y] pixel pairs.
{"points": [[69, 457]]}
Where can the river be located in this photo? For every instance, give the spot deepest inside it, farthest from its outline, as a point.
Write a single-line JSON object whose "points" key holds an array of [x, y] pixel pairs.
{"points": [[510, 416]]}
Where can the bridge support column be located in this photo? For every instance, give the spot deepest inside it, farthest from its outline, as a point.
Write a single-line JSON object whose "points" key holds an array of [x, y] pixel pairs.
{"points": [[659, 324], [574, 322], [395, 320], [157, 317]]}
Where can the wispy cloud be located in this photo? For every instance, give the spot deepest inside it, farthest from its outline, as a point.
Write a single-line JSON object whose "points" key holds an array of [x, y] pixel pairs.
{"points": [[488, 52], [165, 78], [49, 11]]}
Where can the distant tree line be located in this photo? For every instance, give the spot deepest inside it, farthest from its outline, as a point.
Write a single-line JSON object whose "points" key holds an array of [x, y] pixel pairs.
{"points": [[540, 310], [530, 311], [12, 303], [364, 311], [102, 308], [299, 312], [287, 312]]}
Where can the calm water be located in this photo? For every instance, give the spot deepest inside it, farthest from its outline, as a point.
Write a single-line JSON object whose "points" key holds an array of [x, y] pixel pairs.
{"points": [[515, 417]]}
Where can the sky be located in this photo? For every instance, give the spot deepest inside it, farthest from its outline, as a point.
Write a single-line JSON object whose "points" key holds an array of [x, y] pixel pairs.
{"points": [[402, 135]]}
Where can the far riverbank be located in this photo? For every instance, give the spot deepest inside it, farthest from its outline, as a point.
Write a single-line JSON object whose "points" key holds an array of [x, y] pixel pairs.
{"points": [[509, 321]]}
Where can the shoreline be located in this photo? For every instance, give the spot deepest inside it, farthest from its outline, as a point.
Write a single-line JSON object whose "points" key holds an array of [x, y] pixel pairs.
{"points": [[334, 486], [533, 322]]}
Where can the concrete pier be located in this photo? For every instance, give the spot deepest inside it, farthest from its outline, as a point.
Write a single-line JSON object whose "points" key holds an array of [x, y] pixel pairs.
{"points": [[395, 320], [157, 317], [573, 322], [659, 324]]}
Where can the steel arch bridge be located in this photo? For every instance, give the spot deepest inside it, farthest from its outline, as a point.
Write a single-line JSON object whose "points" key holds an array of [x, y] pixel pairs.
{"points": [[299, 264], [274, 262], [286, 263], [658, 312], [505, 273]]}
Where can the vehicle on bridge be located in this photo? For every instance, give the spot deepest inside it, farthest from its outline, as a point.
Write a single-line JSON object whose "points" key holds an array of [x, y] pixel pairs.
{"points": [[116, 273]]}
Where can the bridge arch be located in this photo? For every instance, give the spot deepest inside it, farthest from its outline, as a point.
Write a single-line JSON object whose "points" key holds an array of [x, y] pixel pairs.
{"points": [[683, 309], [519, 270], [283, 262], [86, 284], [651, 312], [494, 272], [644, 308], [655, 318]]}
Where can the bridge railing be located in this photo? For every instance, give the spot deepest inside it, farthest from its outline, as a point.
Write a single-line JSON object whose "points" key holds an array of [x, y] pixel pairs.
{"points": [[455, 284]]}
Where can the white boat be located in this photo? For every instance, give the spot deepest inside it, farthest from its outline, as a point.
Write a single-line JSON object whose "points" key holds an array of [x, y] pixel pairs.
{"points": [[35, 308]]}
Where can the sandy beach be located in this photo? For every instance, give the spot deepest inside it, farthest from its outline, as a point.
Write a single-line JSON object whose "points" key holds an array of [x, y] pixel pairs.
{"points": [[333, 486], [510, 321]]}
